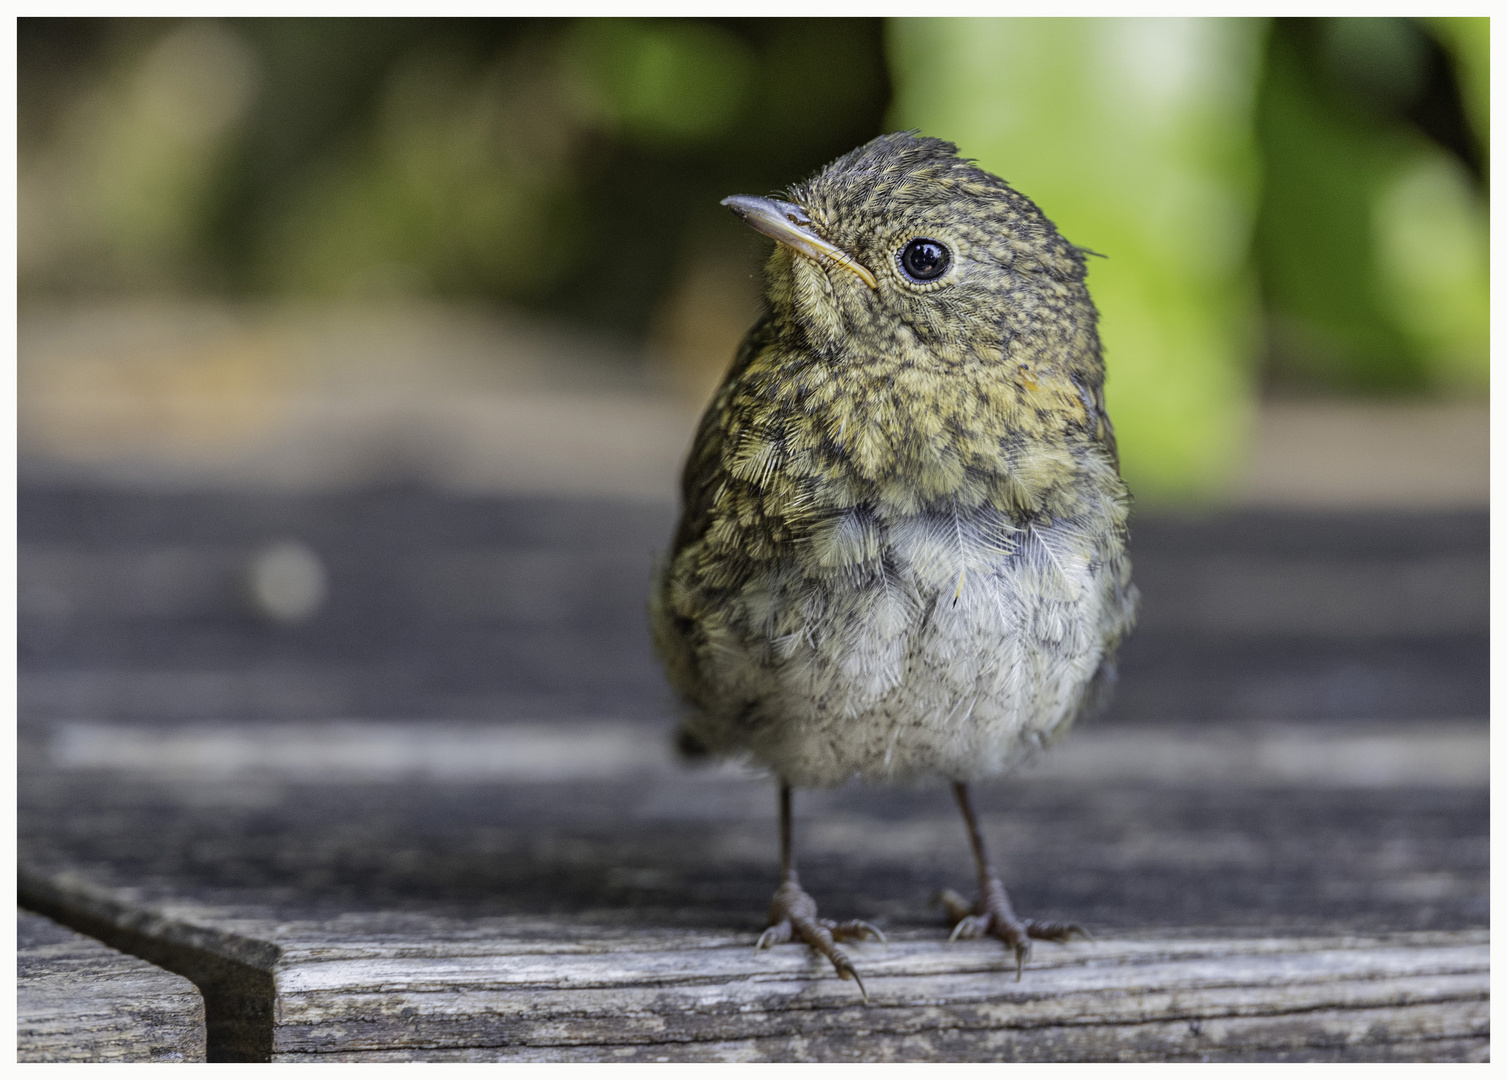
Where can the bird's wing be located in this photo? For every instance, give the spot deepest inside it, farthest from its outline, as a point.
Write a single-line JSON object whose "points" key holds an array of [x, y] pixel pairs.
{"points": [[699, 478], [672, 627], [1100, 429]]}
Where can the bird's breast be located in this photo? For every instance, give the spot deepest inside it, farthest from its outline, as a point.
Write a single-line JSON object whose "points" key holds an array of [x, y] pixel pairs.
{"points": [[901, 645], [910, 432]]}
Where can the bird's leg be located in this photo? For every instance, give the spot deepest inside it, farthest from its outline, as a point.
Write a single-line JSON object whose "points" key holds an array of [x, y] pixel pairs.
{"points": [[991, 913], [792, 914]]}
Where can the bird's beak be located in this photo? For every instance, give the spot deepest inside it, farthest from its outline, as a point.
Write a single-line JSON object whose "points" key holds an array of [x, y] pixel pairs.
{"points": [[789, 224]]}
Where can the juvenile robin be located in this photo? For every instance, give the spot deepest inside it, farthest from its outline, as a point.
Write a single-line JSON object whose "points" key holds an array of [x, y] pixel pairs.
{"points": [[902, 548]]}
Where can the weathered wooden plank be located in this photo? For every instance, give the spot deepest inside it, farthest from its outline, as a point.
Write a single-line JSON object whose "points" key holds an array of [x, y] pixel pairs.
{"points": [[697, 850], [561, 988], [610, 1001], [1087, 1004], [79, 1000], [132, 604], [500, 861], [941, 1046], [1329, 1035], [1445, 753], [529, 890]]}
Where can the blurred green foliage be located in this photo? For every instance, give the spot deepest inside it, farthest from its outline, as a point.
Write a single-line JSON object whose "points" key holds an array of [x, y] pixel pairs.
{"points": [[1296, 202], [564, 165], [659, 81], [1296, 205], [1373, 236], [1136, 138]]}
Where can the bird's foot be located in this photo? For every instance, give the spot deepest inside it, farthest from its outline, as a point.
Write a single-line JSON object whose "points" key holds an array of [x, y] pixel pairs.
{"points": [[792, 917], [992, 915]]}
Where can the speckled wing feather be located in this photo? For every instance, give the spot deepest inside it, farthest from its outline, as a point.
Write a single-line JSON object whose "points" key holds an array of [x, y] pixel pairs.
{"points": [[672, 626]]}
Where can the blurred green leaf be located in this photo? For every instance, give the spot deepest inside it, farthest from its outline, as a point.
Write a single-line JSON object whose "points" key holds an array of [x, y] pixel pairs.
{"points": [[125, 187], [1135, 136], [1469, 44], [537, 161], [467, 180], [1324, 166], [1433, 266], [658, 79], [1371, 239]]}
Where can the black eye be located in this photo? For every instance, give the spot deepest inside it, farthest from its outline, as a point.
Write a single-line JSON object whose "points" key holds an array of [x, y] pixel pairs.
{"points": [[925, 260]]}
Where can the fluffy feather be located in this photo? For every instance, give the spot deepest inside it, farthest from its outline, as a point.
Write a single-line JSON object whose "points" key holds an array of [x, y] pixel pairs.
{"points": [[902, 551]]}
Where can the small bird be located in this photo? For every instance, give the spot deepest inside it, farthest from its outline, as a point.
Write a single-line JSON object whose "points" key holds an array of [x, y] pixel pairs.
{"points": [[901, 554]]}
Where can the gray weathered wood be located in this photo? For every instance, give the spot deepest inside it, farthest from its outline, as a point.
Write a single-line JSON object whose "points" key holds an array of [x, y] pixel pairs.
{"points": [[567, 893], [1442, 754], [562, 989], [440, 821], [1116, 1000], [132, 604], [567, 918], [79, 1000]]}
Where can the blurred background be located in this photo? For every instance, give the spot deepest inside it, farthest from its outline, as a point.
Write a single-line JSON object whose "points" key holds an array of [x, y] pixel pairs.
{"points": [[365, 352], [278, 276], [357, 359], [218, 217]]}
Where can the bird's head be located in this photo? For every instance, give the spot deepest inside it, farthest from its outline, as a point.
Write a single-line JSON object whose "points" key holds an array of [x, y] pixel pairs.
{"points": [[902, 244]]}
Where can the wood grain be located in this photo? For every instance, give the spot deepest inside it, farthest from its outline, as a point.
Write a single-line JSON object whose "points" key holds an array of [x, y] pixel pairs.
{"points": [[1198, 997], [440, 820], [561, 989], [78, 1000]]}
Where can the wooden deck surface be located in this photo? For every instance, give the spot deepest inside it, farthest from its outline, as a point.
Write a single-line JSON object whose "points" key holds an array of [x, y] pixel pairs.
{"points": [[79, 1000], [441, 819]]}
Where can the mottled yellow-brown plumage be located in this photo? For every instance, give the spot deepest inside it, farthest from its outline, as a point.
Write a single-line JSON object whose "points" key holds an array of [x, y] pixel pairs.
{"points": [[902, 549], [973, 404]]}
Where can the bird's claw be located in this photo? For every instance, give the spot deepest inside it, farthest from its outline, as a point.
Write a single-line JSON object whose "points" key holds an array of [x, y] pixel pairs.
{"points": [[855, 930], [992, 915], [793, 917], [970, 926], [846, 970], [1061, 932], [778, 934], [957, 908]]}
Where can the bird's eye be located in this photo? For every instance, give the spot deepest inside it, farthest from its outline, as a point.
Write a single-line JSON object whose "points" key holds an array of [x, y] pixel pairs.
{"points": [[925, 260]]}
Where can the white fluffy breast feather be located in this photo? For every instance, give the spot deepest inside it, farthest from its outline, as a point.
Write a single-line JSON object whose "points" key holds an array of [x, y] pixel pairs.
{"points": [[929, 645]]}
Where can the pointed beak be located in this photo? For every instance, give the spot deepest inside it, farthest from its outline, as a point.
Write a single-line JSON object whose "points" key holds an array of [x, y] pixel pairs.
{"points": [[789, 224]]}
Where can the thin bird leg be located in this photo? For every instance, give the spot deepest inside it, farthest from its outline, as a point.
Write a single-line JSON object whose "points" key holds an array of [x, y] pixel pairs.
{"points": [[787, 859], [991, 913], [792, 914]]}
